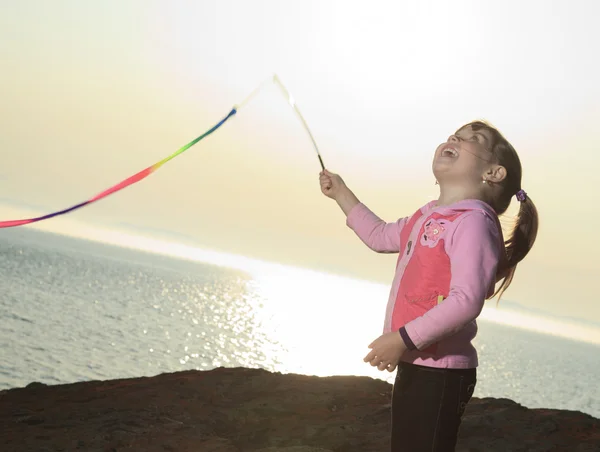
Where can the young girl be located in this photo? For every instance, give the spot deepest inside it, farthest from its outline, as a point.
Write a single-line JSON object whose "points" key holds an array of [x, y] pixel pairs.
{"points": [[452, 256]]}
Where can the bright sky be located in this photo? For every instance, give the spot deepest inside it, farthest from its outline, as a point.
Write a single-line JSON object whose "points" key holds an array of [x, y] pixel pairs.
{"points": [[93, 92]]}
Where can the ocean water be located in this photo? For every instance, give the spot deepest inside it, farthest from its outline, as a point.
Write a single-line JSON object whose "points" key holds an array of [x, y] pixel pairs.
{"points": [[73, 310]]}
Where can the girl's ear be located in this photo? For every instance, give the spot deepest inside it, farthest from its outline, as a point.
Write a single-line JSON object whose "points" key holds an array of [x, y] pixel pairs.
{"points": [[496, 174]]}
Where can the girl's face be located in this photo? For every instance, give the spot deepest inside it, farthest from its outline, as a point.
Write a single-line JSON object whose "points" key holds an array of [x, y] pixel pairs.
{"points": [[465, 156]]}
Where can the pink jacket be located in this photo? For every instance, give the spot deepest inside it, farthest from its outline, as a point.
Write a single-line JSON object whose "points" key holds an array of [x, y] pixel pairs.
{"points": [[445, 271]]}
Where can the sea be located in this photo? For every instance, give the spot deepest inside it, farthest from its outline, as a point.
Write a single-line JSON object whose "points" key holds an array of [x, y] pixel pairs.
{"points": [[77, 310]]}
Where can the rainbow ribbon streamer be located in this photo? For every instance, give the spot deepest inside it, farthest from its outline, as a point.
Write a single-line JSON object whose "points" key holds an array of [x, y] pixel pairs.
{"points": [[151, 169]]}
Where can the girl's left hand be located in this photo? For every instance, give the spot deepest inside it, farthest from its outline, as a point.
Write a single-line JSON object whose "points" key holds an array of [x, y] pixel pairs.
{"points": [[386, 351]]}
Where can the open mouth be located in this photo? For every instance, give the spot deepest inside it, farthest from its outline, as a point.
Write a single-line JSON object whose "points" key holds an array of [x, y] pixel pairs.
{"points": [[449, 152]]}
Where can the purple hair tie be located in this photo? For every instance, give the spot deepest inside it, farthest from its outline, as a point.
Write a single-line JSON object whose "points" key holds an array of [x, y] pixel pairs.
{"points": [[521, 195]]}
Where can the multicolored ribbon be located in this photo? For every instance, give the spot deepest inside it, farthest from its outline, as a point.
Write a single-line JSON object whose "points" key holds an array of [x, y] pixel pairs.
{"points": [[151, 169]]}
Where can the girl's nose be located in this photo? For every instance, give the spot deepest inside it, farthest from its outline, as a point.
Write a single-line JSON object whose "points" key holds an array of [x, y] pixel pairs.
{"points": [[453, 139]]}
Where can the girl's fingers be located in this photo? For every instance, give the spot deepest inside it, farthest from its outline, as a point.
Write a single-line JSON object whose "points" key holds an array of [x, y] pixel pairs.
{"points": [[370, 356]]}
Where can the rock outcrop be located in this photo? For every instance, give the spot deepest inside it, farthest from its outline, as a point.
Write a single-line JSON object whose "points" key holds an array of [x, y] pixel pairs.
{"points": [[233, 410]]}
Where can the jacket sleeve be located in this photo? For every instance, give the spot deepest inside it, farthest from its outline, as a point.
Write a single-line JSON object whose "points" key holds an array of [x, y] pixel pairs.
{"points": [[373, 231], [474, 251]]}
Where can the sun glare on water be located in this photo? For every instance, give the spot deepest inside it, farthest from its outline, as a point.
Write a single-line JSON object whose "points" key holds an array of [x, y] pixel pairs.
{"points": [[321, 322]]}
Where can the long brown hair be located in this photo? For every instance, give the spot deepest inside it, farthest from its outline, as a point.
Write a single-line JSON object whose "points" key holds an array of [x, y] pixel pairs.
{"points": [[521, 238]]}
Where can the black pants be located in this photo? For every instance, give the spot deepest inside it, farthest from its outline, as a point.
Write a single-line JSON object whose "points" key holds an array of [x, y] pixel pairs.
{"points": [[427, 407]]}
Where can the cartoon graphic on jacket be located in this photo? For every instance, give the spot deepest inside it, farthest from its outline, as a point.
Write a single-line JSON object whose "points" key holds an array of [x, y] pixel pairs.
{"points": [[446, 269]]}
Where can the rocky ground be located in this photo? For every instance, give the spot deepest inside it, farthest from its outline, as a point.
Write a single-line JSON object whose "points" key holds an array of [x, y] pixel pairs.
{"points": [[233, 410]]}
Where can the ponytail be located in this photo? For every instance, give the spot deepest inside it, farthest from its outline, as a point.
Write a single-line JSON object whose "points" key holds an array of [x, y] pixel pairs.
{"points": [[519, 243], [520, 240]]}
